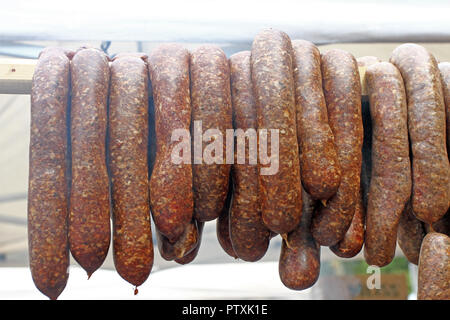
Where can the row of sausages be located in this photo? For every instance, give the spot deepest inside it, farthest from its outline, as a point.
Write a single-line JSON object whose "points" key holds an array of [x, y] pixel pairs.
{"points": [[97, 148]]}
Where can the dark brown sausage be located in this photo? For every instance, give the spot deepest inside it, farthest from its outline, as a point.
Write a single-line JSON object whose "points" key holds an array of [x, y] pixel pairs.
{"points": [[183, 246], [390, 184], [299, 263], [188, 258], [89, 225], [444, 68], [320, 170], [353, 240], [128, 134], [248, 233], [47, 183], [273, 88], [426, 125], [211, 106], [440, 226], [171, 195], [434, 268], [410, 235], [223, 226], [342, 91]]}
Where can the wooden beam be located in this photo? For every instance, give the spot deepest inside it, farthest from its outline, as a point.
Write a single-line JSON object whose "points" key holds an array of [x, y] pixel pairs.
{"points": [[16, 74]]}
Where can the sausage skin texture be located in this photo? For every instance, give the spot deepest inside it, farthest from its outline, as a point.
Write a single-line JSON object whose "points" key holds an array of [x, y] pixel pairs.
{"points": [[273, 88], [248, 233], [299, 263], [47, 184], [342, 89], [319, 165], [183, 246], [128, 135], [188, 258], [434, 268], [390, 184], [410, 235], [444, 68], [211, 104], [426, 125], [171, 195], [353, 240], [89, 217]]}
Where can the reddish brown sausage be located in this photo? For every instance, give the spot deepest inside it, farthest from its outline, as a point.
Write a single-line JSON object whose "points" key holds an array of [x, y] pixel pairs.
{"points": [[188, 258], [299, 263], [273, 88], [434, 268], [342, 91], [211, 107], [47, 182], [89, 225], [171, 192], [353, 240], [426, 125], [444, 68], [183, 246], [410, 235], [128, 134], [320, 170], [390, 184], [223, 227], [249, 236]]}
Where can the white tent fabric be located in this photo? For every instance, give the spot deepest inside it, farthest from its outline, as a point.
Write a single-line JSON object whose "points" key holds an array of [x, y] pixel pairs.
{"points": [[231, 21]]}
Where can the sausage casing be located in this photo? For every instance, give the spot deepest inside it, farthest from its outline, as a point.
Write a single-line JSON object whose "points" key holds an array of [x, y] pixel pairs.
{"points": [[426, 125], [182, 246], [211, 107], [273, 88], [223, 226], [410, 235], [89, 217], [248, 233], [320, 170], [47, 185], [188, 258], [342, 91], [444, 68], [128, 135], [390, 184], [171, 195]]}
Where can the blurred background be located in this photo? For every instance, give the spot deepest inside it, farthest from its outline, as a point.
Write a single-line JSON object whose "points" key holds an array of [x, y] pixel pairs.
{"points": [[360, 27]]}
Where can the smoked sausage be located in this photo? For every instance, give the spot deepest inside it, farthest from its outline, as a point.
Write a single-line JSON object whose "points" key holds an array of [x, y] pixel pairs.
{"points": [[248, 234], [89, 217], [47, 183], [273, 88], [342, 89], [183, 246], [128, 134], [188, 258], [410, 235], [223, 226], [171, 195], [390, 184], [319, 165], [426, 125]]}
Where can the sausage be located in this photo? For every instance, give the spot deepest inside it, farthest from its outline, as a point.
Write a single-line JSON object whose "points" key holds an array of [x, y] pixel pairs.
{"points": [[319, 165], [426, 125], [183, 246], [273, 88], [188, 258], [353, 240], [89, 225], [342, 91], [211, 109], [223, 226], [444, 68], [171, 195], [410, 234], [47, 182], [248, 234], [366, 61], [434, 268], [128, 134], [390, 184], [299, 263], [440, 226]]}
